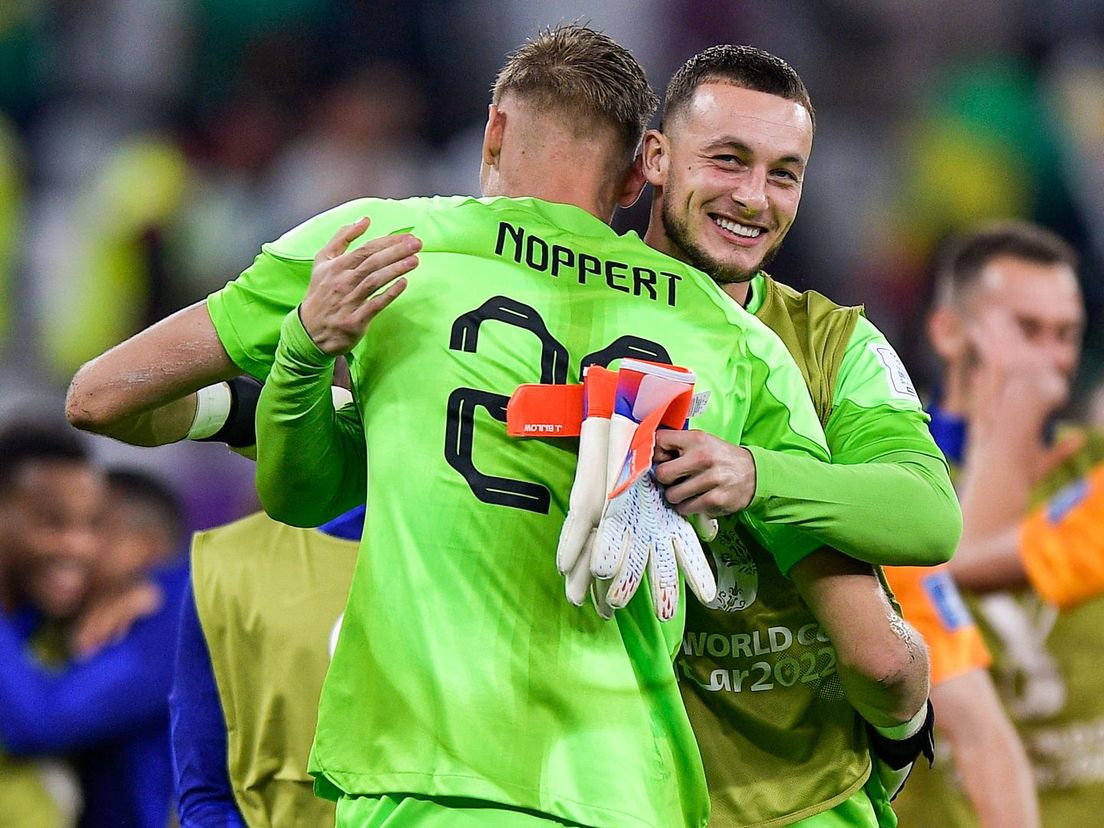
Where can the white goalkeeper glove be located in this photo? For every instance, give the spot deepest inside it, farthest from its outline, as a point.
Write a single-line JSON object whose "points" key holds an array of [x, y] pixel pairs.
{"points": [[639, 528], [588, 492]]}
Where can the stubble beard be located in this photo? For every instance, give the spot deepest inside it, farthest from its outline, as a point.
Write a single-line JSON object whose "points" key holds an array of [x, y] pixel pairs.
{"points": [[689, 251]]}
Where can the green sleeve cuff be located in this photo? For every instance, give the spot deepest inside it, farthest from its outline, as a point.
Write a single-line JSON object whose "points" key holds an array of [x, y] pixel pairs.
{"points": [[764, 476], [298, 346]]}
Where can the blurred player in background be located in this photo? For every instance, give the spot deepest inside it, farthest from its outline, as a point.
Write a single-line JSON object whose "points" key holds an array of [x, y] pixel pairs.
{"points": [[780, 740], [142, 533], [975, 732], [104, 710], [51, 504], [256, 633], [1007, 326]]}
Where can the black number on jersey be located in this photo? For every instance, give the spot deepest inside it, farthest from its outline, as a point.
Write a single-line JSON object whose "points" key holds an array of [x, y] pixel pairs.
{"points": [[463, 402], [465, 334], [627, 346]]}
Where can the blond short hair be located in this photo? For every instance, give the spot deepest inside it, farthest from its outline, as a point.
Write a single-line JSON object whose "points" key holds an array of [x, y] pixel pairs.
{"points": [[586, 76]]}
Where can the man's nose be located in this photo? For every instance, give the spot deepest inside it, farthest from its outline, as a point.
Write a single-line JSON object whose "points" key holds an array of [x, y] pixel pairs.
{"points": [[751, 192]]}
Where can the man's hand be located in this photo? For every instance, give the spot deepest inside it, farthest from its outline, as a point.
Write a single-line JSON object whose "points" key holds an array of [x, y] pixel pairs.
{"points": [[1016, 387], [704, 474], [1013, 376], [345, 287], [110, 617]]}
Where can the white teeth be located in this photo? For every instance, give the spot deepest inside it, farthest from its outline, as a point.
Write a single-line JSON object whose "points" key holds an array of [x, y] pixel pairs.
{"points": [[738, 229]]}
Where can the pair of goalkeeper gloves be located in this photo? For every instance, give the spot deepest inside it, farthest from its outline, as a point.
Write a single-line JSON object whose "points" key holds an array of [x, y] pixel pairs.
{"points": [[619, 525]]}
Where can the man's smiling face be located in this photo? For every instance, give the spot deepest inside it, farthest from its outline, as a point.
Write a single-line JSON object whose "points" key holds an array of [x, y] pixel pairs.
{"points": [[728, 170]]}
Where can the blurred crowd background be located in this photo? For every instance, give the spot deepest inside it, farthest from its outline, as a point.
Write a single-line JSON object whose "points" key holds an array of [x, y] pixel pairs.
{"points": [[148, 147]]}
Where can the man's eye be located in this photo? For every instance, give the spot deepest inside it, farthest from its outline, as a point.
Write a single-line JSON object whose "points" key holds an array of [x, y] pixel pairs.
{"points": [[1029, 327], [788, 175]]}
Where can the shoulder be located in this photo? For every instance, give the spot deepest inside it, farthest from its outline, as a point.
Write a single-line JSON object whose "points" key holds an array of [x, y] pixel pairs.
{"points": [[811, 299], [866, 331], [387, 215]]}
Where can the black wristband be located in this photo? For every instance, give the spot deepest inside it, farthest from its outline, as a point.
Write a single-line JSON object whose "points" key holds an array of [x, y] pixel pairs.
{"points": [[240, 429], [900, 753]]}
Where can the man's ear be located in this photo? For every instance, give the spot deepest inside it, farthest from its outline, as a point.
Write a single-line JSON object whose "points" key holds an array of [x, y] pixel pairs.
{"points": [[634, 184], [492, 135], [655, 154], [947, 334]]}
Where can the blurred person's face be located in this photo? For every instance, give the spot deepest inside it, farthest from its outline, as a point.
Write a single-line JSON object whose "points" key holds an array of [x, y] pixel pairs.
{"points": [[1044, 301], [50, 534], [131, 547], [728, 173]]}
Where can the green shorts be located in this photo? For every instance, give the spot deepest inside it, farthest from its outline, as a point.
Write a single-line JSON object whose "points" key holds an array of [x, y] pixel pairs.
{"points": [[399, 811]]}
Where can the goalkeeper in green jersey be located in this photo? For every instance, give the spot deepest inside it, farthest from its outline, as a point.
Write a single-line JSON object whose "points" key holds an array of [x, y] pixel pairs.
{"points": [[781, 744]]}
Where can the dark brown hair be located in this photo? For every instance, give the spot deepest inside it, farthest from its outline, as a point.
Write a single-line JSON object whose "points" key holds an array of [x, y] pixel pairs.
{"points": [[743, 66]]}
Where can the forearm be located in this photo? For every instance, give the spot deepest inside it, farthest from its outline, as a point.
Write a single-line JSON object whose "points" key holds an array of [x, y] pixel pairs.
{"points": [[141, 391], [882, 662], [989, 757], [302, 444], [158, 427], [900, 510], [989, 564], [996, 481], [889, 698]]}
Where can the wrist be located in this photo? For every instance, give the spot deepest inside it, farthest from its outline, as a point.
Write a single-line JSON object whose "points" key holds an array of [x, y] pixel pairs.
{"points": [[299, 343], [761, 476], [315, 332]]}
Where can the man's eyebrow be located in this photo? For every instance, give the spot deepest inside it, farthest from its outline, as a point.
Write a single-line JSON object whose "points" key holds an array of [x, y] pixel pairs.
{"points": [[741, 147]]}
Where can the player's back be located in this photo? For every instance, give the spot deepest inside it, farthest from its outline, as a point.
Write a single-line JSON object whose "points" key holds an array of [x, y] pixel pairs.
{"points": [[467, 672]]}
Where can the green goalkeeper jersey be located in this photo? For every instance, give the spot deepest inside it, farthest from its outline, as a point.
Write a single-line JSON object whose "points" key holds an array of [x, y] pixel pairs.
{"points": [[778, 739], [461, 670]]}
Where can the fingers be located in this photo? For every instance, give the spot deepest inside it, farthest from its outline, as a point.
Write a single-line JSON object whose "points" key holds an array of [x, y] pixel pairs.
{"points": [[702, 503], [366, 267], [380, 269], [678, 454], [378, 253], [673, 441], [671, 471], [341, 240], [378, 302]]}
